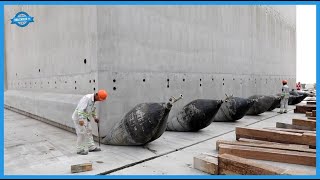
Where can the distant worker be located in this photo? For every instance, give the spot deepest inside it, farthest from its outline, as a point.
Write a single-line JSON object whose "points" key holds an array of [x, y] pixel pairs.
{"points": [[284, 97], [81, 118], [298, 86]]}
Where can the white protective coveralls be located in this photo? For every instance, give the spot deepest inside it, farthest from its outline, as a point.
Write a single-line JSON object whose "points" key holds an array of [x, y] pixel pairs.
{"points": [[85, 109], [284, 98]]}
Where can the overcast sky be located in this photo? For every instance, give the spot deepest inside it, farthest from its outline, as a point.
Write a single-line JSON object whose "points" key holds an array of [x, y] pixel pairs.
{"points": [[306, 43]]}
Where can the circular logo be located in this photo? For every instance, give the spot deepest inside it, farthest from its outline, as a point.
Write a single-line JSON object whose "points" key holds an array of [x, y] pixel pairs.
{"points": [[22, 19]]}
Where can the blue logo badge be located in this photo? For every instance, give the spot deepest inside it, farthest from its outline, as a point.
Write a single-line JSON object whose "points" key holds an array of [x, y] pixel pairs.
{"points": [[22, 19]]}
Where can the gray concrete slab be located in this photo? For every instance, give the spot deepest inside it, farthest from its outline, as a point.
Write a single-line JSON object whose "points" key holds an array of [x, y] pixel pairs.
{"points": [[34, 147], [204, 52]]}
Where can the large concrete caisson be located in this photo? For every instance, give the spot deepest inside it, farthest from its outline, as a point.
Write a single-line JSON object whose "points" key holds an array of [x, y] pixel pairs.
{"points": [[146, 122], [144, 54], [233, 109], [262, 104], [194, 116]]}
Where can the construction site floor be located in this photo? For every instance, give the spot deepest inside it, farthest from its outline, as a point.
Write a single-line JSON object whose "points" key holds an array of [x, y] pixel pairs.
{"points": [[33, 147]]}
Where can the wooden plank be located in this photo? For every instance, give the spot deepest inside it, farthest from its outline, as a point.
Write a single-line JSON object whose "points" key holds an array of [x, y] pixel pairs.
{"points": [[81, 167], [314, 113], [310, 99], [275, 155], [304, 108], [290, 126], [311, 137], [304, 122], [308, 114], [291, 147], [206, 163], [275, 136], [230, 164], [291, 130], [312, 118], [311, 102]]}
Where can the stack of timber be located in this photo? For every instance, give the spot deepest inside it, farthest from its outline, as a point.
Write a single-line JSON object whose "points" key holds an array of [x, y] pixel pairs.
{"points": [[248, 155], [311, 115], [309, 106]]}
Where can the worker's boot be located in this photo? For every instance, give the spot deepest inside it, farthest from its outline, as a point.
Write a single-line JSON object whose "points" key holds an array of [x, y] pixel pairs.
{"points": [[285, 111], [95, 149], [280, 112], [82, 152]]}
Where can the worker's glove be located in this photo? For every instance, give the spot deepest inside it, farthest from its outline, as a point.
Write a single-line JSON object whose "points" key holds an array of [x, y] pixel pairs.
{"points": [[96, 120], [81, 122]]}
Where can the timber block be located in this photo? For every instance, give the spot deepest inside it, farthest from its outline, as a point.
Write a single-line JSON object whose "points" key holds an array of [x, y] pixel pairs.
{"points": [[206, 163], [304, 122], [81, 167], [290, 126], [276, 136], [275, 155], [230, 164]]}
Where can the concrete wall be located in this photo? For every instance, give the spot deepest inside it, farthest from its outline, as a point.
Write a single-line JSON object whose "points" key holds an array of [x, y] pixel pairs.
{"points": [[145, 53]]}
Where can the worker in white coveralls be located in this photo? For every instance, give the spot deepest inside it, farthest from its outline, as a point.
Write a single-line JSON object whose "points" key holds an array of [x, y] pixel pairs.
{"points": [[284, 97], [81, 118]]}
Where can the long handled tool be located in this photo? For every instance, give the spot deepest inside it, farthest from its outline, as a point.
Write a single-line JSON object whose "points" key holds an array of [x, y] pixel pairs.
{"points": [[98, 133]]}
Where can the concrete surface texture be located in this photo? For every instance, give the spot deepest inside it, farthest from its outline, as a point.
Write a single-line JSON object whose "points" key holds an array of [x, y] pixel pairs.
{"points": [[33, 147], [144, 54]]}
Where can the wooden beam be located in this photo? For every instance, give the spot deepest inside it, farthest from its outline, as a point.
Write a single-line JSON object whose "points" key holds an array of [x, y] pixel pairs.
{"points": [[81, 167], [290, 126], [312, 118], [311, 102], [291, 147], [304, 122], [310, 99], [291, 130], [206, 163], [304, 108], [275, 136], [308, 114], [274, 155], [230, 164]]}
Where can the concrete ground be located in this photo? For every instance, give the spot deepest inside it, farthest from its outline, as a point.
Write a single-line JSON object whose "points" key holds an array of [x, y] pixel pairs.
{"points": [[33, 147]]}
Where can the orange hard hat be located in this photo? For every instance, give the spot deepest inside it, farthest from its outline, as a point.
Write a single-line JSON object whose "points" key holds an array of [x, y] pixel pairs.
{"points": [[284, 81], [102, 94]]}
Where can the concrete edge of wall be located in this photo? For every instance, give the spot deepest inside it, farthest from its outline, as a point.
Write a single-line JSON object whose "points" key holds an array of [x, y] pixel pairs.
{"points": [[42, 119], [45, 120]]}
